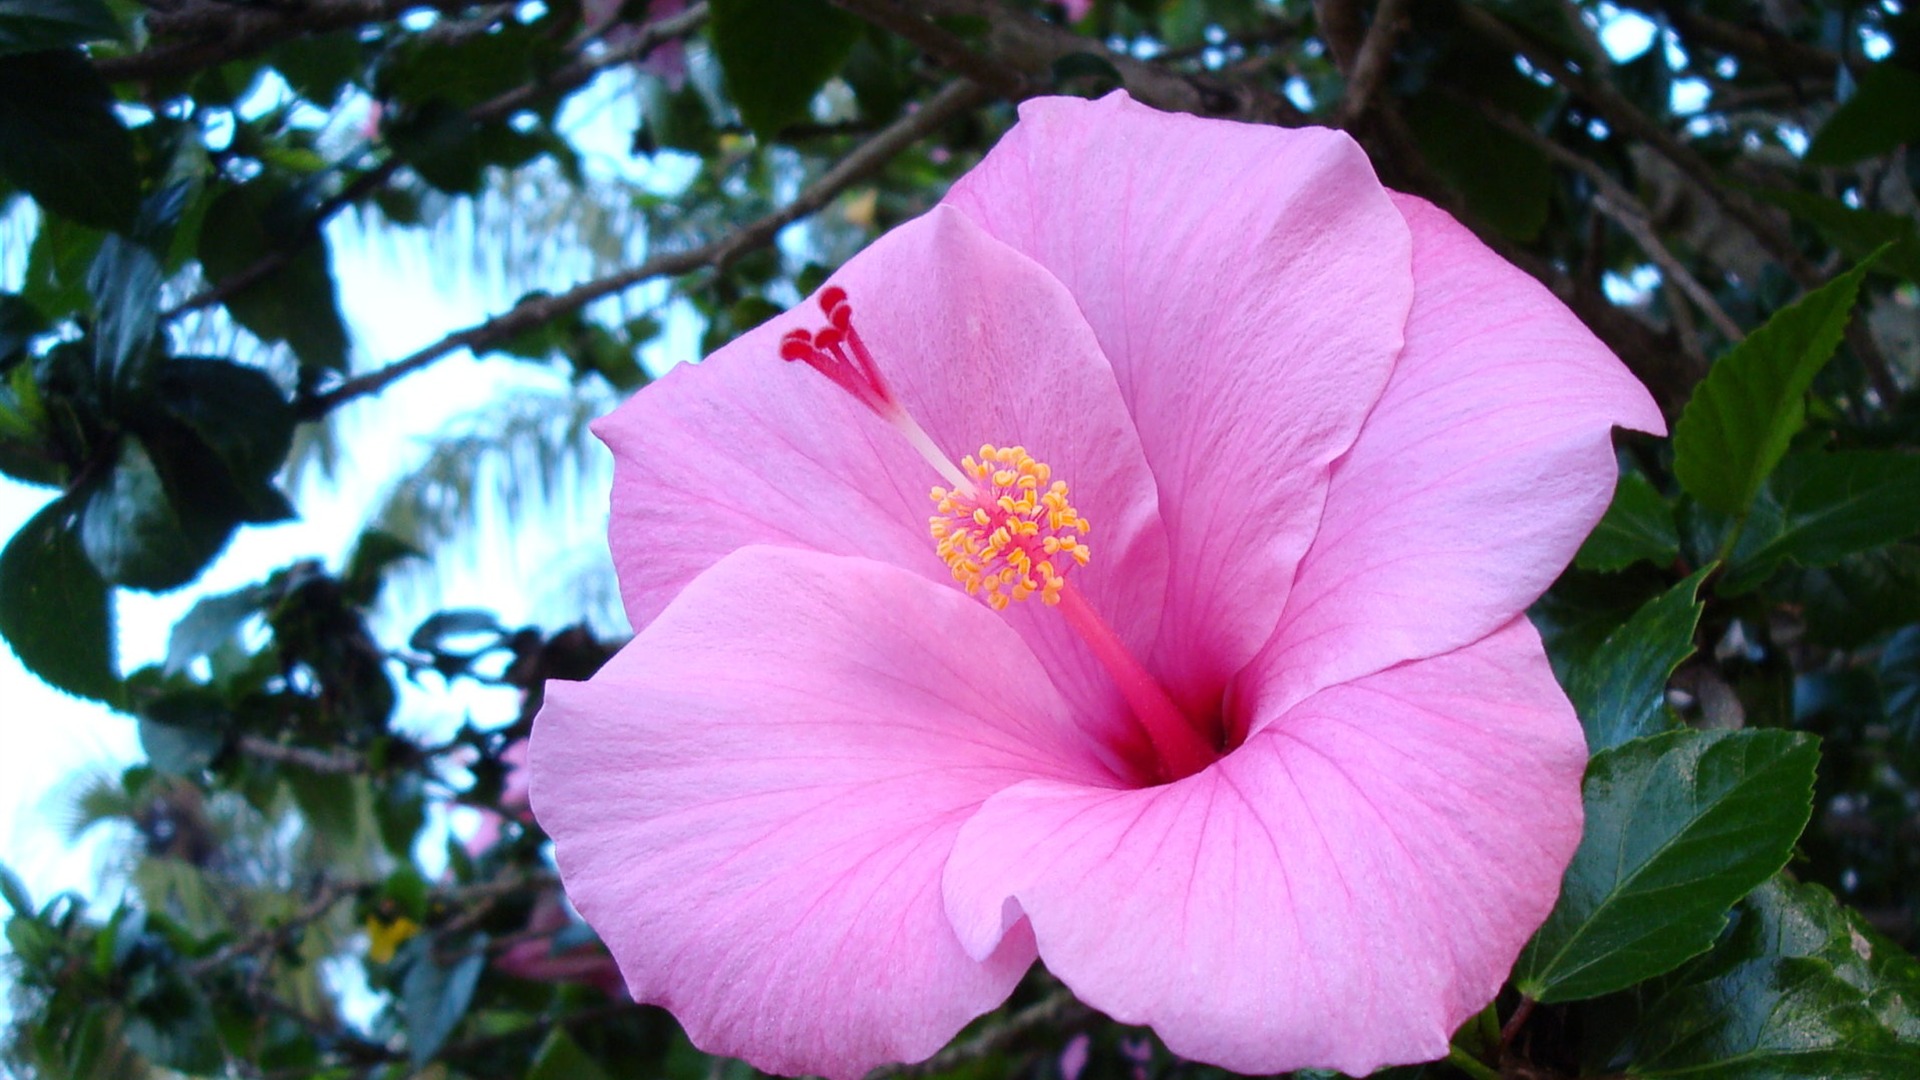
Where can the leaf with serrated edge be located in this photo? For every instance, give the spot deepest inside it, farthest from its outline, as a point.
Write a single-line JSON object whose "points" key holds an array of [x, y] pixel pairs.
{"points": [[1738, 423], [1832, 505], [1619, 692], [1679, 827], [54, 609], [1638, 527], [1801, 987]]}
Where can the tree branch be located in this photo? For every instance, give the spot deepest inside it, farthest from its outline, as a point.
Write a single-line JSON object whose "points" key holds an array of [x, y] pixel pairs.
{"points": [[219, 32], [955, 99], [1370, 63], [561, 81]]}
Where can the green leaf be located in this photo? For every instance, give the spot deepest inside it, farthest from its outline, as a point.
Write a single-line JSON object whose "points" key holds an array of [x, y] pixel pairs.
{"points": [[211, 623], [125, 281], [135, 533], [1858, 598], [330, 802], [1822, 507], [433, 999], [297, 302], [36, 25], [1638, 527], [61, 142], [54, 609], [1857, 233], [238, 416], [14, 891], [776, 54], [1881, 115], [367, 567], [1506, 181], [560, 1058], [1739, 421], [183, 731], [438, 140], [1799, 988], [1620, 690], [1679, 827]]}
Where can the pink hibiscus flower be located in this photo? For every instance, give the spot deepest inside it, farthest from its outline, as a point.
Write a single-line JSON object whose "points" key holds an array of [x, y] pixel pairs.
{"points": [[1280, 770]]}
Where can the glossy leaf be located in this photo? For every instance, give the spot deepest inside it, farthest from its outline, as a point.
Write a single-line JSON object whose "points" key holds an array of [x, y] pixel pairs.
{"points": [[1736, 426], [1620, 690], [54, 609], [1638, 527], [136, 532], [433, 998], [776, 54], [61, 142], [296, 303], [125, 282], [1882, 114], [1856, 232], [1822, 507], [1799, 988], [37, 25], [1679, 827]]}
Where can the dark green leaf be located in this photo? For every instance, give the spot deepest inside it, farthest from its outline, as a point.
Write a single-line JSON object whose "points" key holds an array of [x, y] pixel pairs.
{"points": [[54, 609], [125, 282], [20, 321], [238, 413], [776, 54], [433, 999], [1858, 598], [134, 530], [1799, 988], [560, 1058], [1505, 180], [439, 141], [210, 623], [1822, 507], [1881, 115], [1620, 690], [372, 557], [1739, 421], [61, 143], [319, 66], [1679, 827], [329, 801], [1857, 233], [57, 266], [36, 25], [14, 892], [1638, 527], [183, 731], [432, 634], [296, 303]]}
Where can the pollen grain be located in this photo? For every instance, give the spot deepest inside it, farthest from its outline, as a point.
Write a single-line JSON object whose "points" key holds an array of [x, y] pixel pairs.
{"points": [[1013, 534]]}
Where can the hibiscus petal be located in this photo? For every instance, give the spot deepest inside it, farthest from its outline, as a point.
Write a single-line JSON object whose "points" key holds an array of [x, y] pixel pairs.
{"points": [[980, 345], [753, 801], [1489, 459], [1342, 891], [1249, 285]]}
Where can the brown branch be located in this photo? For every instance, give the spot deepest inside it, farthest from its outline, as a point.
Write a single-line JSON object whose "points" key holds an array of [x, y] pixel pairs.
{"points": [[268, 938], [560, 81], [216, 32], [1370, 63], [1620, 207], [1060, 1007], [941, 45], [1627, 118], [949, 103], [1033, 45], [332, 762]]}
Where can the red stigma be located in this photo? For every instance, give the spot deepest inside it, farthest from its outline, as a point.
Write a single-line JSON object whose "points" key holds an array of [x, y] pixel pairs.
{"points": [[837, 352]]}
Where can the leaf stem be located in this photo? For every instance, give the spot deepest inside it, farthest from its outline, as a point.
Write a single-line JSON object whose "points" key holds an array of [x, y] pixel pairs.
{"points": [[1469, 1064]]}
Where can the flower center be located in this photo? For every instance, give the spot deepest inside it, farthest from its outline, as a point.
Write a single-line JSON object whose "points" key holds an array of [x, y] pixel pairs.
{"points": [[1006, 530], [1010, 534]]}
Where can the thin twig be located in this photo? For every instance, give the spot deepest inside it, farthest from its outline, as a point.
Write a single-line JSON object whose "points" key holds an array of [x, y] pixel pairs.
{"points": [[955, 99], [332, 762], [561, 81], [941, 45], [1620, 207], [269, 938], [219, 32], [1058, 1008], [1371, 62]]}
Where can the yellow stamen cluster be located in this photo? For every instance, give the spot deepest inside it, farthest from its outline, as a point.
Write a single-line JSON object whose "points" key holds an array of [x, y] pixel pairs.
{"points": [[1014, 534]]}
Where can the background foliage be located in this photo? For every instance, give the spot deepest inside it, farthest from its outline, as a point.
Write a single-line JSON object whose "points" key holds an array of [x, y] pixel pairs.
{"points": [[1724, 192]]}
